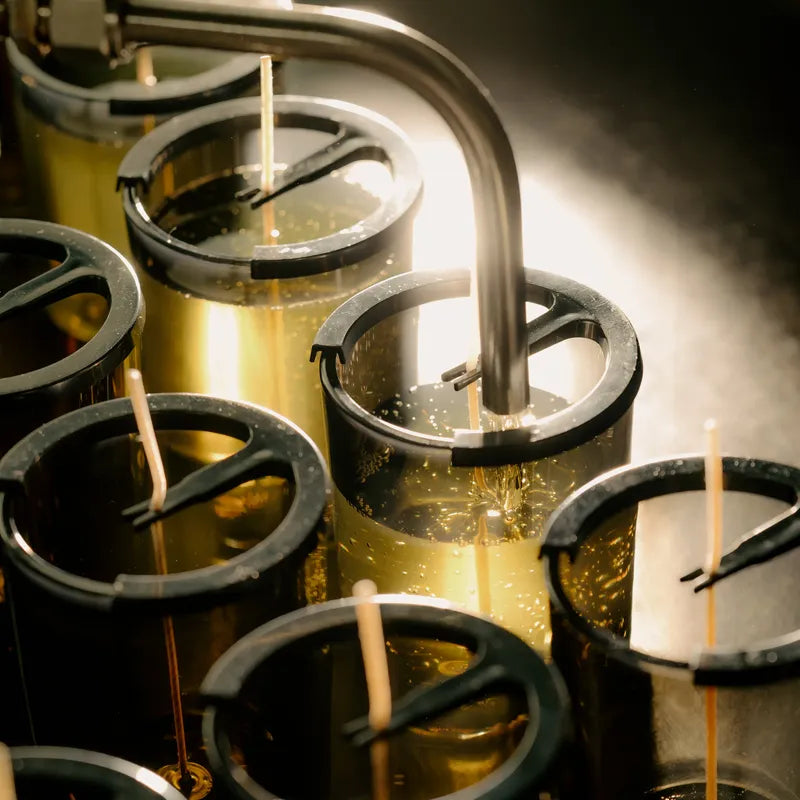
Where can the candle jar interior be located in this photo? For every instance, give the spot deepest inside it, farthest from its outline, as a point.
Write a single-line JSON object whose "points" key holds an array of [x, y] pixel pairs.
{"points": [[415, 523], [238, 337], [654, 716], [293, 707], [96, 676]]}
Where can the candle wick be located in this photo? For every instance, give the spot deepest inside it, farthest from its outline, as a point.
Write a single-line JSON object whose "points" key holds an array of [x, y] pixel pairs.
{"points": [[146, 76], [267, 146], [379, 690], [7, 789], [144, 422], [714, 488]]}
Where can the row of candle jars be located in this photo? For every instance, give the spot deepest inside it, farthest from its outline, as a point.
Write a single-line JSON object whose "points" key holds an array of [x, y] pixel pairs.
{"points": [[431, 496]]}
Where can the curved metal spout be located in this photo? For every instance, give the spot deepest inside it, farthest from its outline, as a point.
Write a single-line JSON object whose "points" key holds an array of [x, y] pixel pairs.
{"points": [[423, 65]]}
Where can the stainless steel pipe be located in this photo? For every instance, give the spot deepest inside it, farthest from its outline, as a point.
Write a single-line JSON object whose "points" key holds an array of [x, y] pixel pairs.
{"points": [[391, 48]]}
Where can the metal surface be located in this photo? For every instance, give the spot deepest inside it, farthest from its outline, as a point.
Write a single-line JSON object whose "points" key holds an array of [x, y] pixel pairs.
{"points": [[45, 769]]}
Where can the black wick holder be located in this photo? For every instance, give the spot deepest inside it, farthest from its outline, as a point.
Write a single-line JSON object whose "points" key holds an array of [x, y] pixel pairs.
{"points": [[573, 311], [572, 524], [358, 135], [502, 663], [348, 147], [82, 264], [82, 580], [63, 771], [639, 709], [272, 446]]}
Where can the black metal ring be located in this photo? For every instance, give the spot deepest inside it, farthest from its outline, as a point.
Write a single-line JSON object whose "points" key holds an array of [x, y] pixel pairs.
{"points": [[273, 446], [502, 661], [336, 250], [81, 770], [87, 265], [574, 311], [130, 98], [574, 521]]}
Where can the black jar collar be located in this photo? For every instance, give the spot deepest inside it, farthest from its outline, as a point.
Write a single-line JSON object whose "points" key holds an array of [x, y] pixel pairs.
{"points": [[574, 521], [345, 247], [503, 662], [273, 446], [573, 311], [130, 98], [65, 770], [86, 265]]}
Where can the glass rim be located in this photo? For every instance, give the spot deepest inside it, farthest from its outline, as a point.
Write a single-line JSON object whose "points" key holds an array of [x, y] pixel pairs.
{"points": [[270, 440], [87, 264], [498, 652], [353, 244], [127, 97], [582, 513], [95, 770], [597, 319]]}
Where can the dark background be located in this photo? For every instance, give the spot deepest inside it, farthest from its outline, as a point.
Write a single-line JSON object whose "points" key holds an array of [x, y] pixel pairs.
{"points": [[668, 134]]}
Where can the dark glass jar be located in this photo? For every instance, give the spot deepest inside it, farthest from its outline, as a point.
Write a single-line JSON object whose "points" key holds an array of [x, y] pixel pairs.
{"points": [[77, 117], [234, 310], [639, 694], [244, 542], [287, 702], [44, 370]]}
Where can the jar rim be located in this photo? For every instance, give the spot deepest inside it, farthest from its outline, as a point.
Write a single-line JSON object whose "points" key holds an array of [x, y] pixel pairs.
{"points": [[95, 770], [271, 442], [87, 264], [498, 651], [581, 514], [591, 316], [162, 252], [130, 98]]}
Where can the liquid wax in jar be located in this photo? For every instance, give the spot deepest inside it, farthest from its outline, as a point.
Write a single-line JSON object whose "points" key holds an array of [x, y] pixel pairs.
{"points": [[252, 344], [473, 536]]}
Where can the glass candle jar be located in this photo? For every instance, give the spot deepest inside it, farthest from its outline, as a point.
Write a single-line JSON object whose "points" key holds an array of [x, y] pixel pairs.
{"points": [[640, 695], [486, 721], [44, 371], [234, 309], [434, 498], [77, 117], [243, 540], [41, 772]]}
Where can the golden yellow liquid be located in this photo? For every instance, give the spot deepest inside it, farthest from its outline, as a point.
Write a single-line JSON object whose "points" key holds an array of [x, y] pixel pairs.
{"points": [[421, 565], [111, 476], [73, 172], [418, 529], [255, 346]]}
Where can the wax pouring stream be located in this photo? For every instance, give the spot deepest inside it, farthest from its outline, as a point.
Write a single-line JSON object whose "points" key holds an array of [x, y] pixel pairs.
{"points": [[372, 41]]}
